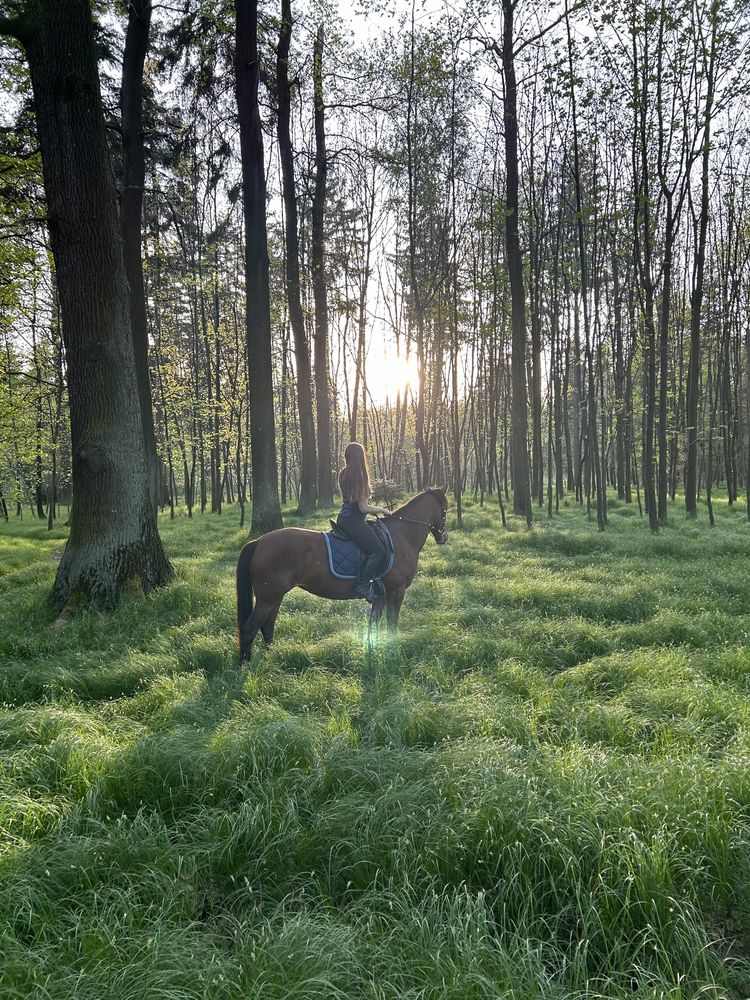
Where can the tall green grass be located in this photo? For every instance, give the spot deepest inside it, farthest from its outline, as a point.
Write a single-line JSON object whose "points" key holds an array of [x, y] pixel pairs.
{"points": [[543, 791]]}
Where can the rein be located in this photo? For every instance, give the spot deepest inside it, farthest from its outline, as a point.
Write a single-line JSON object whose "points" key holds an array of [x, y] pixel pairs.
{"points": [[410, 520], [432, 525]]}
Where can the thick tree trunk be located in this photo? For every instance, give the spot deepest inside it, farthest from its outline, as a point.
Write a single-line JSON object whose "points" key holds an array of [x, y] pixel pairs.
{"points": [[308, 488], [266, 507], [113, 533], [320, 294]]}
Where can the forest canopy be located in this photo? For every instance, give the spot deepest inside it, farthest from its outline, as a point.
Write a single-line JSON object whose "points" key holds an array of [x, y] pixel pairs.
{"points": [[507, 248]]}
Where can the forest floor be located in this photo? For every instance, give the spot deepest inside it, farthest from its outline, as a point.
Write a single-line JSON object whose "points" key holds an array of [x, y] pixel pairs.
{"points": [[545, 792]]}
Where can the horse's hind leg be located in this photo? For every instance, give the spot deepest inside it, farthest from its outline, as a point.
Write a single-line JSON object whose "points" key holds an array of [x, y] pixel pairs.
{"points": [[248, 632], [263, 620], [251, 627], [270, 623]]}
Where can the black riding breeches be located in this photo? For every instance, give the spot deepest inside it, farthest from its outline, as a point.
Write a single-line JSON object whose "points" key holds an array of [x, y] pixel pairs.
{"points": [[360, 532]]}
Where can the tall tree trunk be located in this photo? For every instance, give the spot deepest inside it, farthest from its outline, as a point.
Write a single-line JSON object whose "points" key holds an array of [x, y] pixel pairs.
{"points": [[308, 488], [359, 376], [519, 414], [216, 444], [56, 413], [696, 296], [747, 390], [284, 434], [649, 489], [593, 464], [537, 462], [454, 293], [113, 533], [628, 401], [266, 507], [131, 206], [644, 256], [38, 424], [619, 377], [666, 299], [320, 294]]}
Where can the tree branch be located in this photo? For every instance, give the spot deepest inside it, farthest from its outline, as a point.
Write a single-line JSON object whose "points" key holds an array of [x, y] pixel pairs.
{"points": [[19, 27], [548, 27]]}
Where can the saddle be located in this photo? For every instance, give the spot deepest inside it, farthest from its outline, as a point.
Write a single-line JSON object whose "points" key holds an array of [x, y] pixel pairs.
{"points": [[346, 559]]}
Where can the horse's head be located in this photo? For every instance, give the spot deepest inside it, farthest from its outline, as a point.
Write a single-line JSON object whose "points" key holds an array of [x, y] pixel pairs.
{"points": [[437, 525]]}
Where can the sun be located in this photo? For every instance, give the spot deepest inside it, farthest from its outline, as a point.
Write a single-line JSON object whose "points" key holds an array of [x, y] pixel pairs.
{"points": [[389, 372]]}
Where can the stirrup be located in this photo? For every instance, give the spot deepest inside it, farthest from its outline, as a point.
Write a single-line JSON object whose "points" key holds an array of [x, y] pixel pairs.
{"points": [[364, 590]]}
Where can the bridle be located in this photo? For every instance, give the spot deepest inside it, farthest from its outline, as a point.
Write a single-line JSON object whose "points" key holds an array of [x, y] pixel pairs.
{"points": [[439, 531]]}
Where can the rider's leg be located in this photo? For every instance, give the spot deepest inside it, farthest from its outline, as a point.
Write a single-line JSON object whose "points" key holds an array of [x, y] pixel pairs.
{"points": [[361, 533]]}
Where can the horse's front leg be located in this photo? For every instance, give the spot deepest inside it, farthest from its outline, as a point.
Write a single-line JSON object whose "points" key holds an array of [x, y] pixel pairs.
{"points": [[393, 601]]}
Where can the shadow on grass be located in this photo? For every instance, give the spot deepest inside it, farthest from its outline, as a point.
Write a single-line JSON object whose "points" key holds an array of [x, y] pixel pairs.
{"points": [[545, 741]]}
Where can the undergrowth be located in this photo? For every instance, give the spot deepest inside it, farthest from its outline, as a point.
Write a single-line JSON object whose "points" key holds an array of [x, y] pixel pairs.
{"points": [[544, 791]]}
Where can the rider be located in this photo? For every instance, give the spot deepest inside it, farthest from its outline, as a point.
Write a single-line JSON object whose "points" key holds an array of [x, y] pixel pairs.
{"points": [[354, 481]]}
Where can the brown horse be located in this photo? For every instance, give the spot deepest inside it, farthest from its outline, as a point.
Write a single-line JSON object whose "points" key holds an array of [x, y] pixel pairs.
{"points": [[297, 557]]}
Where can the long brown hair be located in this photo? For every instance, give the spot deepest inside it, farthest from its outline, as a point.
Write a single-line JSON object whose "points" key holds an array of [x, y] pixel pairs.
{"points": [[354, 478]]}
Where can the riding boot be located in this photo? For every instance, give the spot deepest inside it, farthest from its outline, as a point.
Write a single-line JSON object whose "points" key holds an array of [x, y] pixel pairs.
{"points": [[364, 586]]}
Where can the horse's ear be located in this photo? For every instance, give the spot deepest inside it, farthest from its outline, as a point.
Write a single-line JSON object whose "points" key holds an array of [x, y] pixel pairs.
{"points": [[444, 489]]}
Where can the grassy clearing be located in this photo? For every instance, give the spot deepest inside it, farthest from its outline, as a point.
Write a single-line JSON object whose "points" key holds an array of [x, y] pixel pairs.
{"points": [[544, 793]]}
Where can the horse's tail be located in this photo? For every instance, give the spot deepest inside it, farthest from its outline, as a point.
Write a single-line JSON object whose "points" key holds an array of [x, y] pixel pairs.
{"points": [[244, 588]]}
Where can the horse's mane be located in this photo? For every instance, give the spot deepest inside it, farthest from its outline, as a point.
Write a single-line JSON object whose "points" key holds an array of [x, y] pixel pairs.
{"points": [[425, 492]]}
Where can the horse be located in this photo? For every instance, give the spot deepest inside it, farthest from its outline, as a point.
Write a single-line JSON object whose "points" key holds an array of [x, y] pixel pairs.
{"points": [[270, 566]]}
